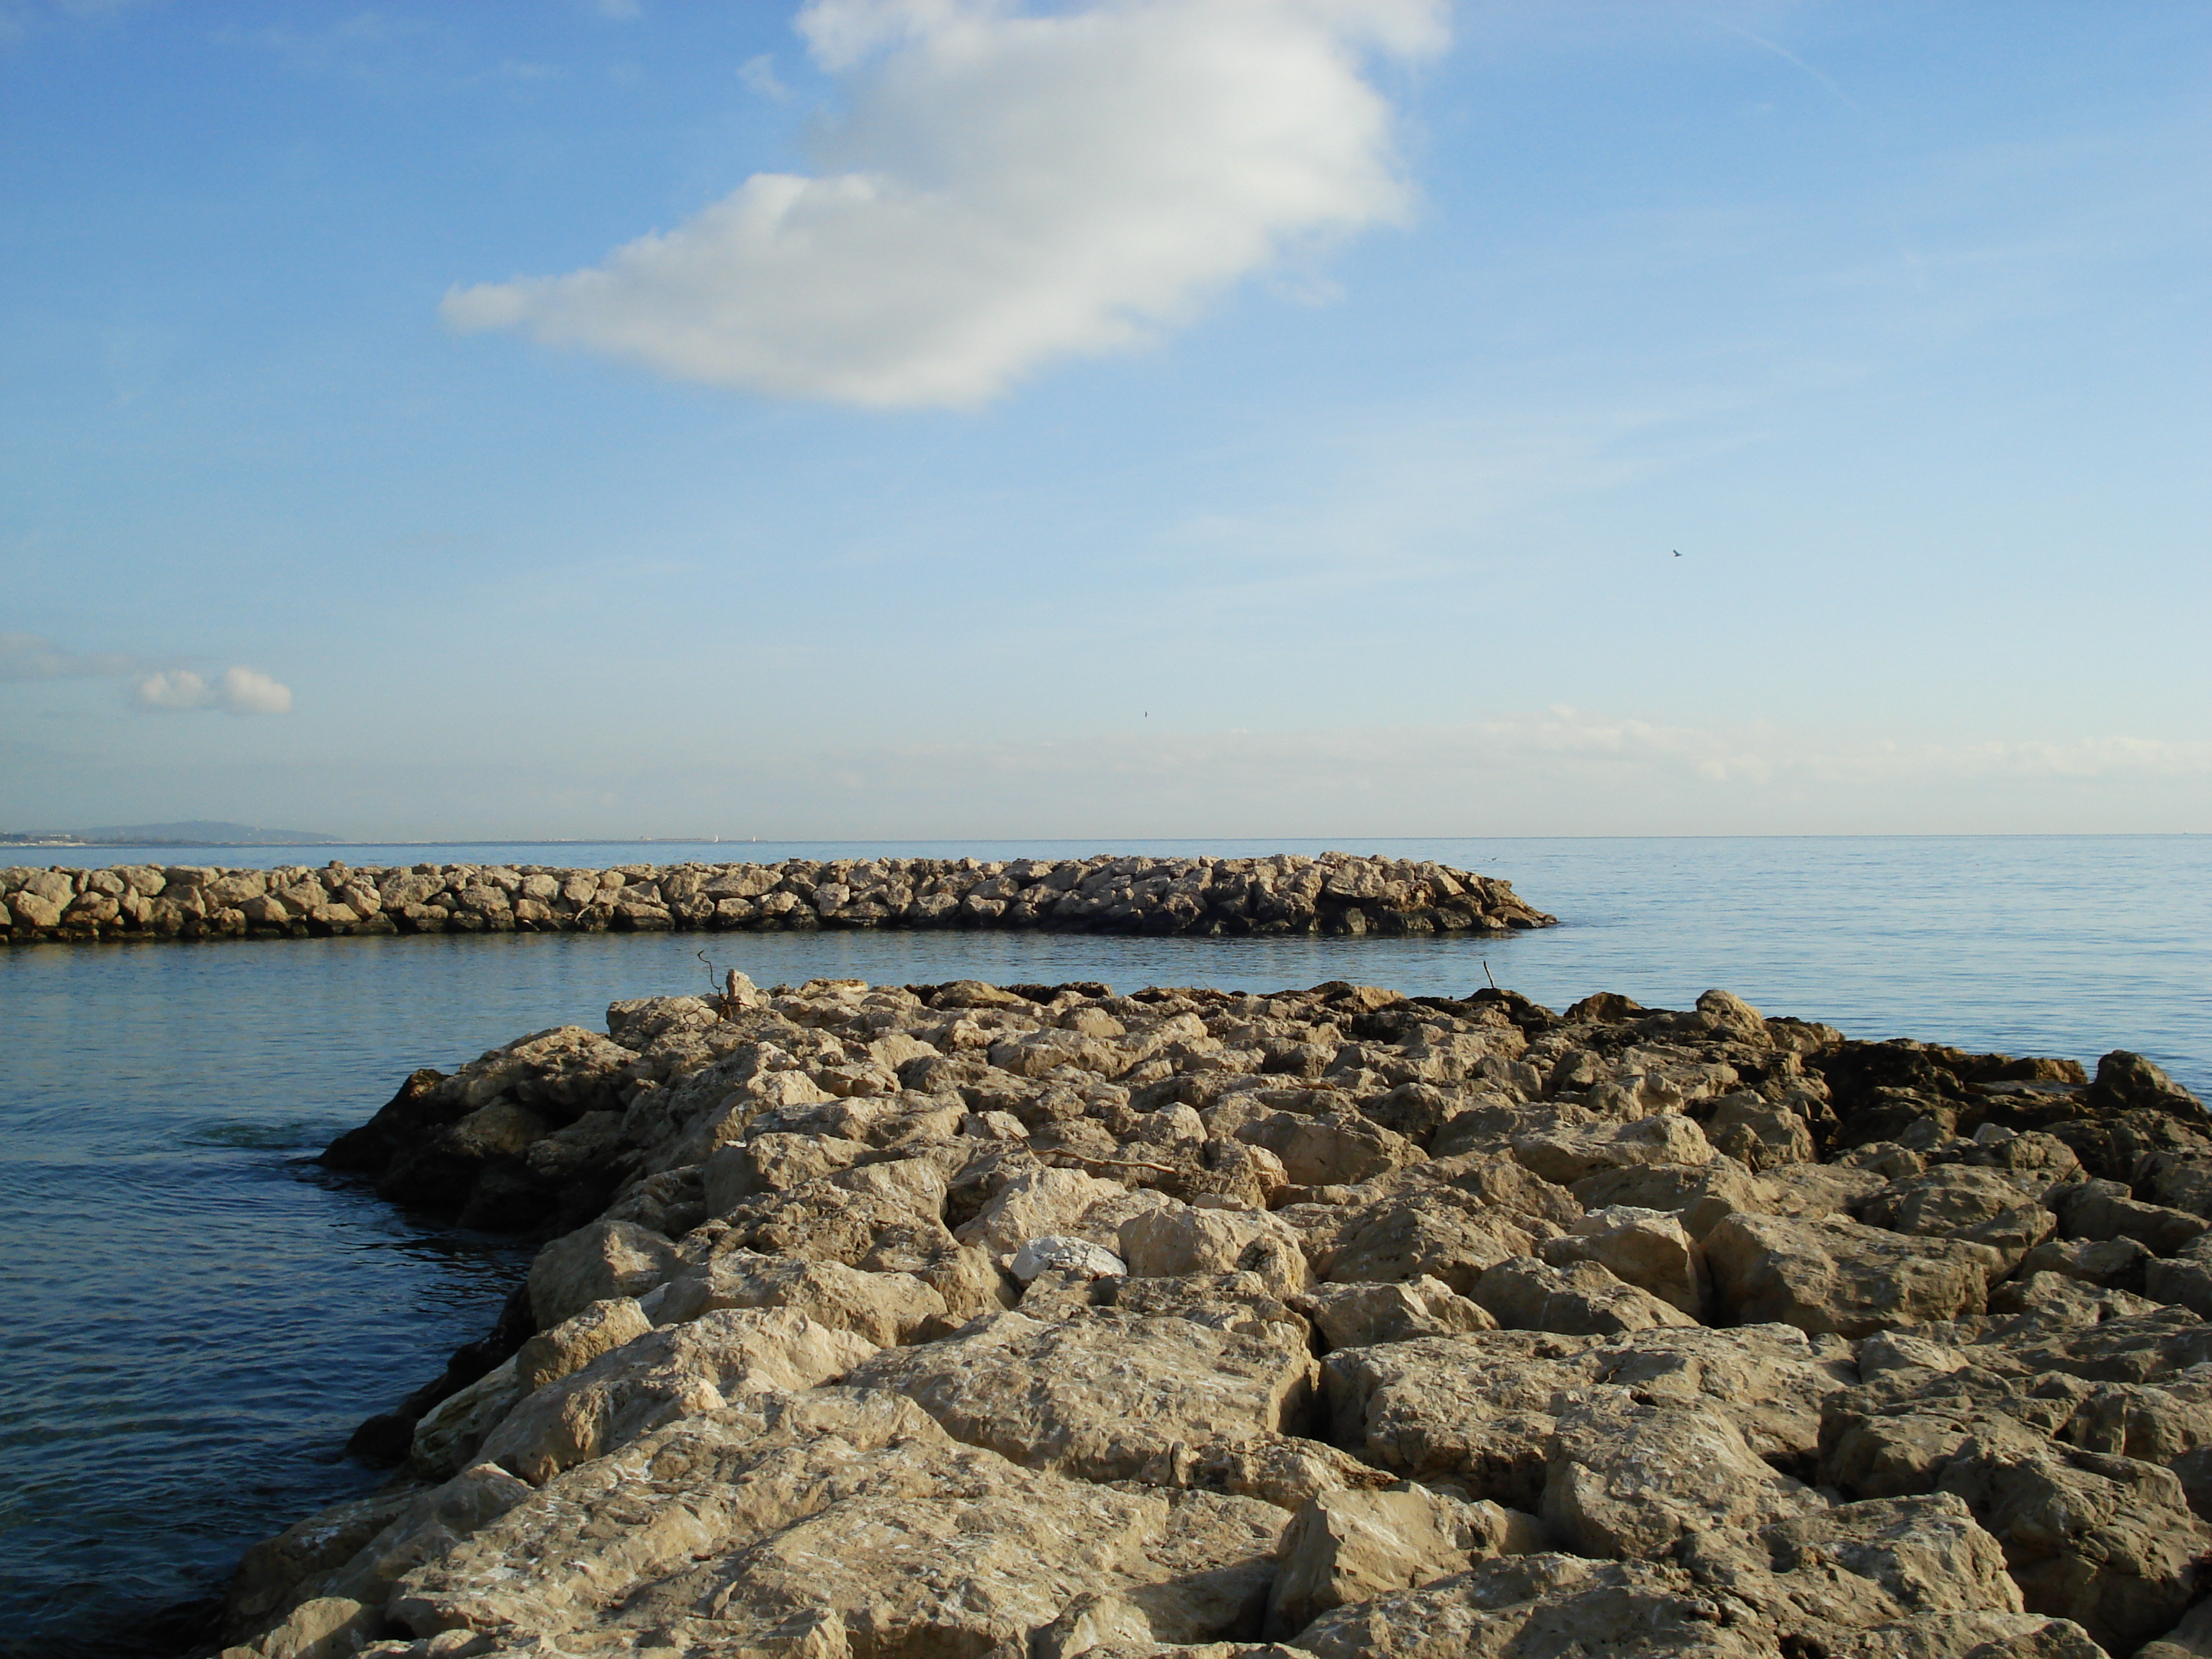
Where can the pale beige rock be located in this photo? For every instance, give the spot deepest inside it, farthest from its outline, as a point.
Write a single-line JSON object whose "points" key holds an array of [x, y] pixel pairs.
{"points": [[1034, 1205], [1651, 1249], [1340, 1149], [578, 1341], [1981, 1206], [1479, 1410], [682, 1370], [1838, 1276], [1630, 1481], [327, 1627], [599, 1261], [1540, 1606], [763, 1527], [1436, 1233], [1179, 1240], [2106, 1541], [1758, 1133], [1568, 1156], [1345, 1547], [447, 1438], [1699, 1195], [1580, 1299], [1108, 1397], [884, 1308], [772, 1162], [1357, 1315]]}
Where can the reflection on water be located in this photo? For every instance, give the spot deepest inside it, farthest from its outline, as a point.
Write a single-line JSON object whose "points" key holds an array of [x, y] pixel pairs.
{"points": [[199, 1317]]}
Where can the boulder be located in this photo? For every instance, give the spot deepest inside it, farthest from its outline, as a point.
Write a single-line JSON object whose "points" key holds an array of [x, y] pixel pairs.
{"points": [[684, 1371], [1177, 1239], [1630, 1481], [1758, 1133], [601, 1261], [1439, 1233], [2106, 1542], [1110, 1397], [578, 1341], [1580, 1299], [1651, 1249], [1346, 1547], [1357, 1316], [883, 1309], [1842, 1277], [1568, 1156], [1055, 1254]]}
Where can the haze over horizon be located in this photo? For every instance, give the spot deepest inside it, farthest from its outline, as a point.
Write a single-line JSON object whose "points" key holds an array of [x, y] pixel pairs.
{"points": [[894, 419]]}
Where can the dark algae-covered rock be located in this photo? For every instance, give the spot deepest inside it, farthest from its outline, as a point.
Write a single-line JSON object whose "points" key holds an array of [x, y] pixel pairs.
{"points": [[1041, 1321]]}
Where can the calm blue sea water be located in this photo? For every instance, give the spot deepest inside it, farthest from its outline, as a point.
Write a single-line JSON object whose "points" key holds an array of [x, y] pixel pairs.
{"points": [[198, 1318]]}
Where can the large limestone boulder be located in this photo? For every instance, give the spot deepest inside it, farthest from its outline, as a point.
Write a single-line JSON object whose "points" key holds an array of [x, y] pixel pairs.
{"points": [[1345, 1547], [1565, 1157], [1842, 1277], [1959, 1201], [1549, 1605], [885, 1310], [1651, 1249], [578, 1341], [1629, 1481], [1437, 1233], [838, 1521], [1358, 1315], [685, 1370], [1479, 1410], [1757, 1133], [1108, 1397], [2106, 1541], [1580, 1299], [1044, 1201], [599, 1261], [1177, 1239]]}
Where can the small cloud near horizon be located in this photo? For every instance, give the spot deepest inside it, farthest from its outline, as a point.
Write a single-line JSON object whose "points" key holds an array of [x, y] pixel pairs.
{"points": [[1009, 188], [237, 690]]}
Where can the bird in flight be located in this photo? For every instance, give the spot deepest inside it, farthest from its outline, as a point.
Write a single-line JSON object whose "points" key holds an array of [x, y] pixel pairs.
{"points": [[1678, 552]]}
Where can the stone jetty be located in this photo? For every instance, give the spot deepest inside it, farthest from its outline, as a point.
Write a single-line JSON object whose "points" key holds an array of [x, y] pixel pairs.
{"points": [[1033, 1321], [1336, 893]]}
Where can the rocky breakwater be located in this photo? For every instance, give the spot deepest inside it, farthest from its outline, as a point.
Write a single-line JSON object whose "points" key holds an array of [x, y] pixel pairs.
{"points": [[1289, 893], [1041, 1322]]}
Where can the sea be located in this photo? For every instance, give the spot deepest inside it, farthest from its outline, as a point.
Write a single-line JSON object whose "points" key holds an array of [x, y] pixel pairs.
{"points": [[198, 1316]]}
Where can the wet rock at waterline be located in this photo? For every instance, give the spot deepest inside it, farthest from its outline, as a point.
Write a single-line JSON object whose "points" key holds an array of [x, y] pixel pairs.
{"points": [[962, 1319], [1289, 893]]}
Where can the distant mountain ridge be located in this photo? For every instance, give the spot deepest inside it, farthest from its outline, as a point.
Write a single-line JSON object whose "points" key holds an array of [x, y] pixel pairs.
{"points": [[197, 832]]}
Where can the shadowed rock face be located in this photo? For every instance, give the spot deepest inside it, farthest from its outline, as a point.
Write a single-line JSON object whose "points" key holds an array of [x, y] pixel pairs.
{"points": [[974, 1320], [1336, 893]]}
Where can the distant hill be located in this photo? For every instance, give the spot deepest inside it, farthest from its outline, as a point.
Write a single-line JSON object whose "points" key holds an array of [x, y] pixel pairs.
{"points": [[198, 832]]}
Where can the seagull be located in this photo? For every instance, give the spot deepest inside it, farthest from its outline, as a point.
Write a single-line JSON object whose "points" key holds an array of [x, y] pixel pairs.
{"points": [[1678, 552]]}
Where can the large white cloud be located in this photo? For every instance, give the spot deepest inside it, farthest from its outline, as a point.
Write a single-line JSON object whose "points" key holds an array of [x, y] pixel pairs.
{"points": [[1005, 189]]}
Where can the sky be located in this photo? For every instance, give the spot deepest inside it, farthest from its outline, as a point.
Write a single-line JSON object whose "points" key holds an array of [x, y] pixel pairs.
{"points": [[898, 418]]}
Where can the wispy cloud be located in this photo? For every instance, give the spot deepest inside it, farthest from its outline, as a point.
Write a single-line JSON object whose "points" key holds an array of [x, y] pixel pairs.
{"points": [[1535, 772], [1008, 188], [236, 690]]}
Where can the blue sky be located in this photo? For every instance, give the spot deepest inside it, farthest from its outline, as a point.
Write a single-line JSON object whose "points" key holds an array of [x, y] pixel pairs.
{"points": [[1235, 417]]}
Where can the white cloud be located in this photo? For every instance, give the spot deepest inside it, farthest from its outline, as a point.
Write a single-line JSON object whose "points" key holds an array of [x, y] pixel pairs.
{"points": [[758, 75], [236, 690], [1006, 188]]}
